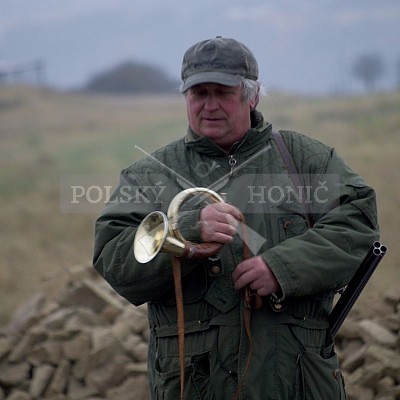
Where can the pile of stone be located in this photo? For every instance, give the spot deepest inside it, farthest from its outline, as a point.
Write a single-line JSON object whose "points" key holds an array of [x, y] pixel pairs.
{"points": [[368, 345], [87, 343]]}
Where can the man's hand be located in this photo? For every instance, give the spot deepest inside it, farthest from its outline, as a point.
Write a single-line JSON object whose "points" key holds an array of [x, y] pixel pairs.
{"points": [[218, 222], [255, 273]]}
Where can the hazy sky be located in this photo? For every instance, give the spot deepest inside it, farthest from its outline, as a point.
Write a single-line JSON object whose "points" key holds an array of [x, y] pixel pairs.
{"points": [[301, 45]]}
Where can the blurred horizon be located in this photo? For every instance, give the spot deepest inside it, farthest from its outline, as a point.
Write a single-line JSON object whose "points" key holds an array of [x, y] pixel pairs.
{"points": [[305, 48]]}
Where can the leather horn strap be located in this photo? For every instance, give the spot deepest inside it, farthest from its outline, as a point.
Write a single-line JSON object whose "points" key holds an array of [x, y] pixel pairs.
{"points": [[194, 251], [176, 270], [251, 301]]}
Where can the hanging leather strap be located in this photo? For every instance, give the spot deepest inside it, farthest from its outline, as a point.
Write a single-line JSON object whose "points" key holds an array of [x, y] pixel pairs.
{"points": [[176, 270], [294, 176], [251, 301]]}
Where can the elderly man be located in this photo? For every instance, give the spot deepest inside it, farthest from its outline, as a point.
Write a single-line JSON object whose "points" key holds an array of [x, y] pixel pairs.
{"points": [[305, 243]]}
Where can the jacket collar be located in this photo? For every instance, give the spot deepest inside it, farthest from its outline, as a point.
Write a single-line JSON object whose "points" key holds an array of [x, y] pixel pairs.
{"points": [[255, 137]]}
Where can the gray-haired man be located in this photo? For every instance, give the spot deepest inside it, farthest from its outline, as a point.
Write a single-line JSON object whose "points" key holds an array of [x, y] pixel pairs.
{"points": [[299, 264]]}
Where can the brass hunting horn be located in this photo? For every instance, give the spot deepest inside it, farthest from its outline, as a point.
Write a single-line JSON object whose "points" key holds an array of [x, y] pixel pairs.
{"points": [[160, 232]]}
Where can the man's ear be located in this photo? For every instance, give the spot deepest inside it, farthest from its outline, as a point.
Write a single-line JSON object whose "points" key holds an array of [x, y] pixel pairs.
{"points": [[253, 102]]}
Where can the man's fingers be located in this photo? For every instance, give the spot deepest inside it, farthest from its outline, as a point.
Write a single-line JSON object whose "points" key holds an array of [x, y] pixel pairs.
{"points": [[232, 221], [215, 231], [220, 227], [227, 209], [218, 222], [243, 276], [255, 273]]}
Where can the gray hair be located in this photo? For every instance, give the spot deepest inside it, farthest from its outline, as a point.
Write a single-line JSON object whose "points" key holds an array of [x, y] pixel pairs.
{"points": [[251, 89]]}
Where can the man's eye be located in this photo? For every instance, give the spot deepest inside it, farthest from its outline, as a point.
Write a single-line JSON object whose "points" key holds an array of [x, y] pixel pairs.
{"points": [[225, 92], [197, 93]]}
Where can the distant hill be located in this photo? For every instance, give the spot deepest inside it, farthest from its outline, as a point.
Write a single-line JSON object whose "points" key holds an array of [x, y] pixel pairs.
{"points": [[131, 78]]}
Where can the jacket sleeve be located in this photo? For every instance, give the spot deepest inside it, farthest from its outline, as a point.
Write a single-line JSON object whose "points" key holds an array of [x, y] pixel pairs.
{"points": [[115, 231], [325, 257]]}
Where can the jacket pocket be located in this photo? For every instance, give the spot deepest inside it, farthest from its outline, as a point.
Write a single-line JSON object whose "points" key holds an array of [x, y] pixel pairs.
{"points": [[291, 225], [198, 343], [197, 378], [318, 377], [317, 372], [308, 359]]}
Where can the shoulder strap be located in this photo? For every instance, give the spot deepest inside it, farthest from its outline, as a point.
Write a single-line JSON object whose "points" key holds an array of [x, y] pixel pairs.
{"points": [[294, 176]]}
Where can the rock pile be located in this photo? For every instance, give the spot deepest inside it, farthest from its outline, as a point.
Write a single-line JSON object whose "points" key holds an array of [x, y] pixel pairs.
{"points": [[87, 343], [368, 345]]}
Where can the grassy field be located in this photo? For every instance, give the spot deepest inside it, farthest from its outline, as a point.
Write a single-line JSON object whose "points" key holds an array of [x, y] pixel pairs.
{"points": [[46, 137]]}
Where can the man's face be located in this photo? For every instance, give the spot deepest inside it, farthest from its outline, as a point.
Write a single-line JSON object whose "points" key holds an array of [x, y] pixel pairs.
{"points": [[218, 112]]}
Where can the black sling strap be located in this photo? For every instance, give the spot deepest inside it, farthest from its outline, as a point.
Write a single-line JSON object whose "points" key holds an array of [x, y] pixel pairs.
{"points": [[294, 176]]}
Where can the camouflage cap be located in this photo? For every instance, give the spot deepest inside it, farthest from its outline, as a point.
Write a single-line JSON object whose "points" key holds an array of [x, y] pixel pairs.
{"points": [[220, 60]]}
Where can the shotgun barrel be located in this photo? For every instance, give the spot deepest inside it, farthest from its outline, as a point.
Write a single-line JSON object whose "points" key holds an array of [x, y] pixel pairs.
{"points": [[355, 286]]}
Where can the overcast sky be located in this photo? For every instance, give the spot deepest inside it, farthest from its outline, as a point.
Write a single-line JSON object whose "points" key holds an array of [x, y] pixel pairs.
{"points": [[301, 45]]}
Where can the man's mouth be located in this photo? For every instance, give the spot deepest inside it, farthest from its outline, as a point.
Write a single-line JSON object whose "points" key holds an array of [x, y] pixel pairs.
{"points": [[213, 119]]}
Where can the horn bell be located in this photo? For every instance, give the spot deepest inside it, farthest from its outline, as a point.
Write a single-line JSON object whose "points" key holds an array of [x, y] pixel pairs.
{"points": [[152, 236]]}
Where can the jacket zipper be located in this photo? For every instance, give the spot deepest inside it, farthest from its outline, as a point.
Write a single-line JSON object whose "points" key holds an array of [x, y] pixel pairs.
{"points": [[232, 162]]}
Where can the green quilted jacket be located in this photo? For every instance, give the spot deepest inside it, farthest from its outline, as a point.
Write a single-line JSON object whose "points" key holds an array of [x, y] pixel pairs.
{"points": [[293, 355]]}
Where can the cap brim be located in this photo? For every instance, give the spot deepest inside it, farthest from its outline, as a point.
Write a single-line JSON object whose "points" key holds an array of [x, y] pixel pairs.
{"points": [[221, 78]]}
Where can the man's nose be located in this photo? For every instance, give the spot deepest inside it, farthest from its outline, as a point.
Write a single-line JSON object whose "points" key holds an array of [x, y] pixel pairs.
{"points": [[211, 103]]}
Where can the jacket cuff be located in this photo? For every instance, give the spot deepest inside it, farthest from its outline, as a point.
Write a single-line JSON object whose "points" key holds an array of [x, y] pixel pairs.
{"points": [[188, 225], [274, 262]]}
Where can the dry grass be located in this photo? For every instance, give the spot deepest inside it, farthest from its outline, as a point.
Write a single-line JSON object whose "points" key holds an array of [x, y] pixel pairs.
{"points": [[45, 136]]}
